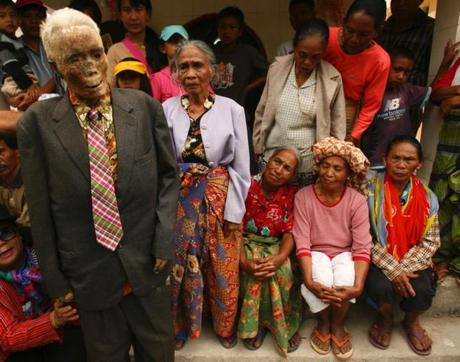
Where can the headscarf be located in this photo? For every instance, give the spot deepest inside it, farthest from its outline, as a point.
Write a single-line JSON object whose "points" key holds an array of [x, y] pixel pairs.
{"points": [[353, 156], [400, 227]]}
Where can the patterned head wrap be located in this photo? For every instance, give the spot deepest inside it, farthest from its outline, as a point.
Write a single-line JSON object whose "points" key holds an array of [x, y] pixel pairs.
{"points": [[357, 162]]}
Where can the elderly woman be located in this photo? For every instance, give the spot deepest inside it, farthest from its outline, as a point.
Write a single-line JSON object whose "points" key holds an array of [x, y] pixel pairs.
{"points": [[334, 260], [30, 328], [269, 297], [302, 102], [404, 221], [211, 146], [141, 42]]}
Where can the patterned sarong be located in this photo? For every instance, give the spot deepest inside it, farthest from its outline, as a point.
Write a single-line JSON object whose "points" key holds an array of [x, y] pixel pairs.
{"points": [[274, 303], [206, 269], [445, 182]]}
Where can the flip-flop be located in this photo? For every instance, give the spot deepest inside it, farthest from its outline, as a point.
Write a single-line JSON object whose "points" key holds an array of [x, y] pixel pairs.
{"points": [[374, 342], [324, 339], [339, 344], [232, 341], [441, 274], [294, 347], [420, 352], [249, 343]]}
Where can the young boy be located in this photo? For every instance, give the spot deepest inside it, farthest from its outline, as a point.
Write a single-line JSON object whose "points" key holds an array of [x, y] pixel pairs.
{"points": [[393, 118], [164, 86], [16, 74], [240, 67], [299, 12]]}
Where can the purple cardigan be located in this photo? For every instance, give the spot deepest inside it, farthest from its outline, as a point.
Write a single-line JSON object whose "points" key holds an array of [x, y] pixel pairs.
{"points": [[224, 134]]}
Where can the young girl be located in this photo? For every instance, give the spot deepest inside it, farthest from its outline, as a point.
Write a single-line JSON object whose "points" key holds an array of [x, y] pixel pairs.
{"points": [[363, 64], [163, 84], [131, 73]]}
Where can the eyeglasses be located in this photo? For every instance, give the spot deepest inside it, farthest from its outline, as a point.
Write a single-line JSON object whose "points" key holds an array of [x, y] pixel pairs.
{"points": [[7, 234]]}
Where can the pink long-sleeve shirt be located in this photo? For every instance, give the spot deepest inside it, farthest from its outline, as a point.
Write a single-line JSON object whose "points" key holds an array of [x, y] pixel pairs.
{"points": [[332, 229], [364, 77]]}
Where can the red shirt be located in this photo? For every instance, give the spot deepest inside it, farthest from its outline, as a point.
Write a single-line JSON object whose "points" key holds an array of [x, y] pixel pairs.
{"points": [[447, 78], [269, 216], [17, 333], [364, 77]]}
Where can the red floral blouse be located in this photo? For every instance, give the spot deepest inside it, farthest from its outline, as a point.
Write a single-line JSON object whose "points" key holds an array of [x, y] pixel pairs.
{"points": [[272, 216]]}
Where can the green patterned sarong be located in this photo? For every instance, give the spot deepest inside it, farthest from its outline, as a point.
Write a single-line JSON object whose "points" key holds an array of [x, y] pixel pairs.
{"points": [[274, 303], [445, 183]]}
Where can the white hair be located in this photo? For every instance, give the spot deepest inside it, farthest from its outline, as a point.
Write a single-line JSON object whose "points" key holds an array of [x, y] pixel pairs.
{"points": [[60, 24]]}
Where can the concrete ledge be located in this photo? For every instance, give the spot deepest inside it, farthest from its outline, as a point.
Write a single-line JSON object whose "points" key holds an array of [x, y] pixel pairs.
{"points": [[444, 331]]}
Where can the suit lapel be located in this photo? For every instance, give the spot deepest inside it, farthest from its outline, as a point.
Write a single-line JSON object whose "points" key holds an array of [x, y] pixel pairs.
{"points": [[125, 133], [70, 135]]}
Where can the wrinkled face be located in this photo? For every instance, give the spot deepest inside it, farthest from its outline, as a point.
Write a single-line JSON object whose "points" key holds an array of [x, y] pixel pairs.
{"points": [[30, 20], [399, 71], [134, 18], [299, 14], [333, 172], [8, 20], [308, 53], [194, 71], [129, 79], [402, 161], [83, 64], [280, 169], [404, 9], [10, 248], [9, 162], [358, 32], [229, 30]]}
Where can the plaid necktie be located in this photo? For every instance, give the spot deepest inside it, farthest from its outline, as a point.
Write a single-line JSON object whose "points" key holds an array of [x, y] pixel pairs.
{"points": [[106, 217]]}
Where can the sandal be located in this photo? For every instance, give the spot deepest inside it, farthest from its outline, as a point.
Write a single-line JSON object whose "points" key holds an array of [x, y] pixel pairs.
{"points": [[253, 344], [381, 332], [296, 340], [179, 344], [441, 272], [228, 342], [324, 340], [410, 334], [338, 345]]}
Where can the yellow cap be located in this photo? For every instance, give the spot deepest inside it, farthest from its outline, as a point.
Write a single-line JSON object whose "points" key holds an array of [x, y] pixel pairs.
{"points": [[131, 65]]}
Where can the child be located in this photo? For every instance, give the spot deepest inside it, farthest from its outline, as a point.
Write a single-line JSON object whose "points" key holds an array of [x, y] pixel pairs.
{"points": [[131, 73], [240, 67], [299, 12], [163, 84], [393, 118], [16, 74]]}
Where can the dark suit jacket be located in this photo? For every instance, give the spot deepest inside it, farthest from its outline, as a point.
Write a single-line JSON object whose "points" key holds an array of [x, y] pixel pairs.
{"points": [[55, 170]]}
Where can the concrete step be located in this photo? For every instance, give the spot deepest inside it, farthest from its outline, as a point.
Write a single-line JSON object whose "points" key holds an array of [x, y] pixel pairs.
{"points": [[445, 332], [447, 300]]}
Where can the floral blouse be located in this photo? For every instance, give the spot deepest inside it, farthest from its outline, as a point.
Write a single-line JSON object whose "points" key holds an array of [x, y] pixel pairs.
{"points": [[194, 149], [272, 216]]}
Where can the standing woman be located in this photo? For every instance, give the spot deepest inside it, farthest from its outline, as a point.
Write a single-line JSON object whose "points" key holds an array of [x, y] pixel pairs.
{"points": [[210, 141], [302, 102], [141, 42], [363, 63]]}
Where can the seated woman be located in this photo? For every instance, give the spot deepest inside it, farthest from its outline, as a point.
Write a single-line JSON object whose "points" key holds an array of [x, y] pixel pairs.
{"points": [[331, 231], [267, 281], [302, 102], [30, 328], [404, 221], [210, 143]]}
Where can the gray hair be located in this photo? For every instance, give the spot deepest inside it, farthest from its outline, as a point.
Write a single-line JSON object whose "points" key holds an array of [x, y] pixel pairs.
{"points": [[61, 23], [292, 150], [198, 44]]}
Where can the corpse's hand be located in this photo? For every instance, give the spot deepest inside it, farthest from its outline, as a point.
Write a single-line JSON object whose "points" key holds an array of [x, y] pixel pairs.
{"points": [[402, 285], [159, 265], [230, 227]]}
